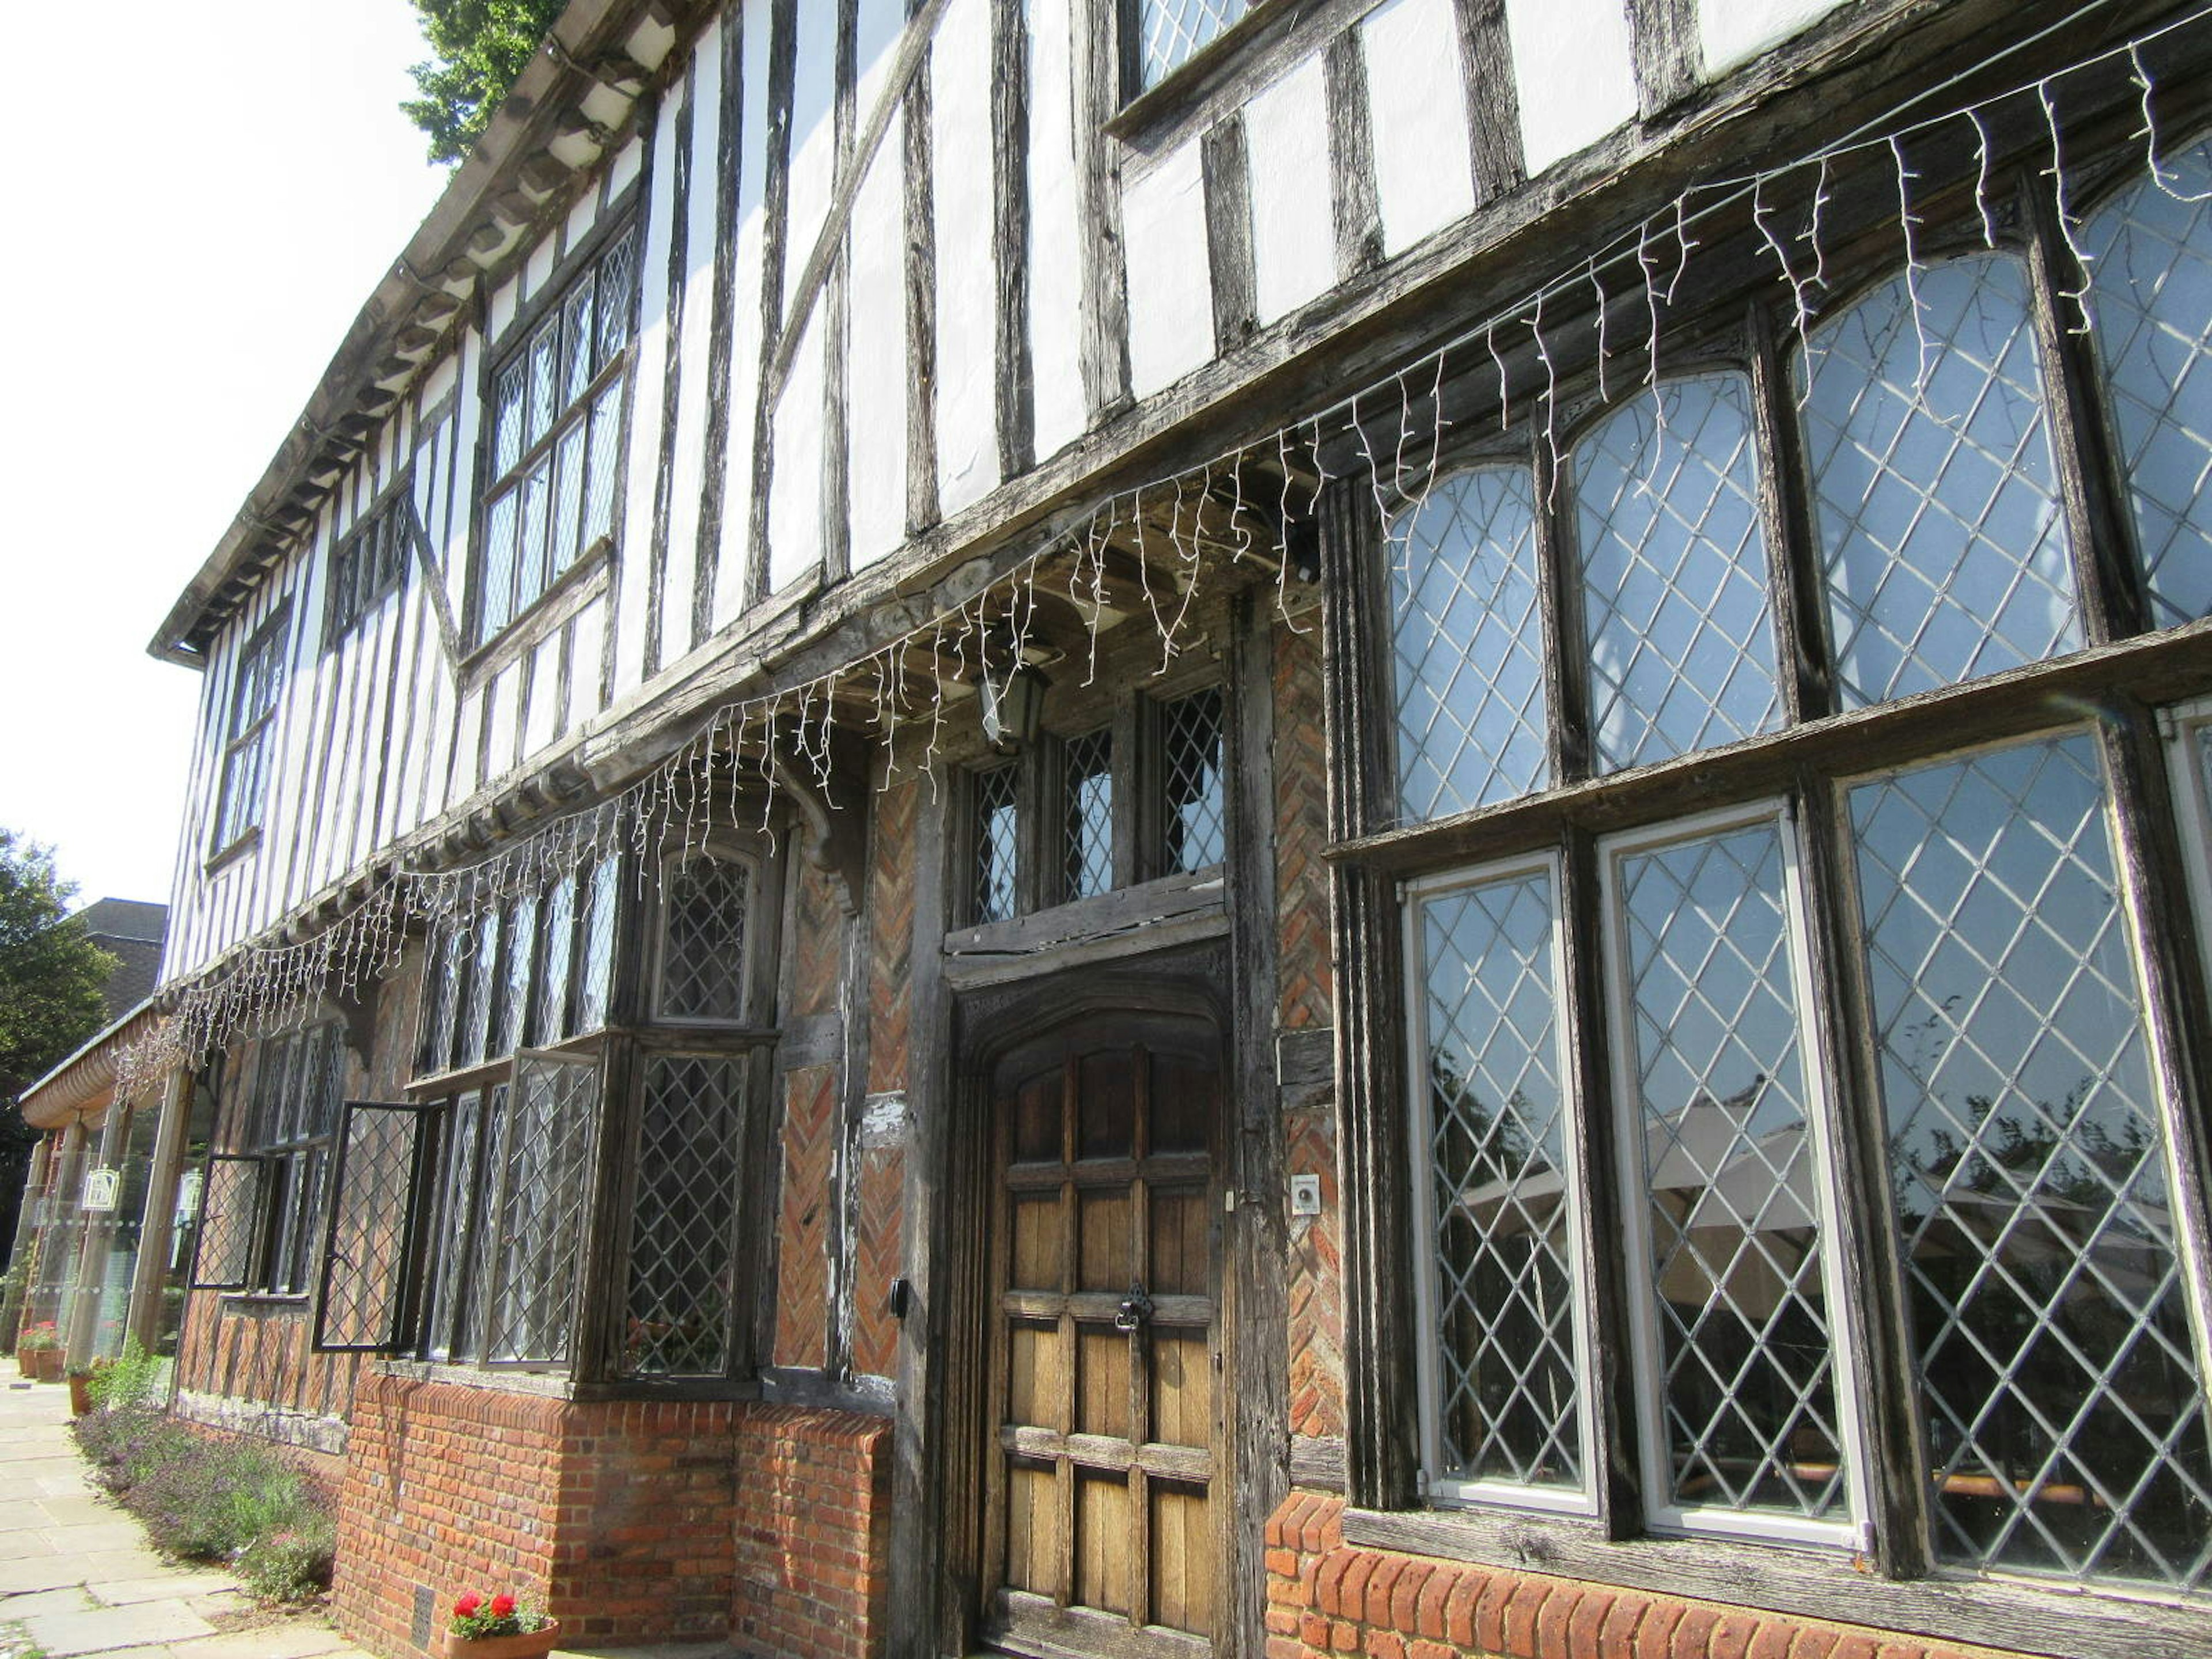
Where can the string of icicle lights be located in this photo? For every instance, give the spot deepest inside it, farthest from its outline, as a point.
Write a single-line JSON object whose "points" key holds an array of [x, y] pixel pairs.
{"points": [[1201, 507]]}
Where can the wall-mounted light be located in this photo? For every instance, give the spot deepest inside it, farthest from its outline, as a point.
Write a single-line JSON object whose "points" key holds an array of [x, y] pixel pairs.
{"points": [[1013, 696]]}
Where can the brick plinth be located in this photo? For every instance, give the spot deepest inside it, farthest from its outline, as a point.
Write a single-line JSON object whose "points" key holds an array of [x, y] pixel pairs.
{"points": [[814, 1507], [1327, 1598], [619, 1517]]}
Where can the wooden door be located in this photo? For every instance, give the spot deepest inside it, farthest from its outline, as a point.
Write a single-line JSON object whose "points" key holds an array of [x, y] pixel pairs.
{"points": [[1106, 1369]]}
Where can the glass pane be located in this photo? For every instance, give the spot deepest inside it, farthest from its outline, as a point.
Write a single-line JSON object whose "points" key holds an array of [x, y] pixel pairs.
{"points": [[1469, 645], [1509, 1405], [530, 570], [1196, 824], [995, 841], [617, 280], [703, 954], [606, 451], [544, 381], [484, 964], [521, 932], [1935, 507], [498, 604], [2062, 1407], [1089, 786], [1174, 29], [1682, 639], [556, 951], [441, 973], [546, 1183], [2152, 303], [578, 338], [568, 521], [1727, 1171], [506, 445], [456, 1228], [599, 942], [680, 1257]]}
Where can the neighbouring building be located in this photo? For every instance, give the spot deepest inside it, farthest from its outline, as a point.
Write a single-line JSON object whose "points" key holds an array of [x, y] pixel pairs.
{"points": [[1093, 827]]}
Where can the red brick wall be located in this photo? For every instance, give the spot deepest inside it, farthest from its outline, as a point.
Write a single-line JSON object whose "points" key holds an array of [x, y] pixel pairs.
{"points": [[618, 1516], [813, 1531], [1325, 1597]]}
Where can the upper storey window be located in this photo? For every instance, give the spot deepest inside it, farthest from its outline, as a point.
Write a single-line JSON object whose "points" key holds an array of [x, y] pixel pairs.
{"points": [[556, 436], [250, 737], [368, 564], [1170, 31]]}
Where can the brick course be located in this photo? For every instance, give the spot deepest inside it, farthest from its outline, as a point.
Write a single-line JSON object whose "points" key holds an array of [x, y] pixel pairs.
{"points": [[1327, 1597]]}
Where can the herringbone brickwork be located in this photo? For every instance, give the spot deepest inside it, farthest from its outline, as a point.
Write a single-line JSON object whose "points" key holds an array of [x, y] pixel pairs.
{"points": [[876, 1257], [1325, 1597], [810, 1141], [821, 928], [1301, 830], [1315, 1283]]}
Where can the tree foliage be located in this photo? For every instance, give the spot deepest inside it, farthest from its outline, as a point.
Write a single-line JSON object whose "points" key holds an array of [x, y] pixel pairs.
{"points": [[481, 45], [51, 974]]}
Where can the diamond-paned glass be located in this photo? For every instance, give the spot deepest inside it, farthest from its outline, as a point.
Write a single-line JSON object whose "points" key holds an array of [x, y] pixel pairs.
{"points": [[1724, 1165], [1507, 1403], [1170, 31], [1674, 564], [704, 900], [364, 1273], [556, 953], [544, 1188], [1468, 644], [1194, 823], [997, 841], [1087, 784], [1935, 503], [452, 1308], [2150, 296], [681, 1253], [2061, 1401], [596, 934]]}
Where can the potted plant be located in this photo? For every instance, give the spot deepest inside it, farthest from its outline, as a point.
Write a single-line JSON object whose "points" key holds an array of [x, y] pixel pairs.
{"points": [[39, 1353], [496, 1627]]}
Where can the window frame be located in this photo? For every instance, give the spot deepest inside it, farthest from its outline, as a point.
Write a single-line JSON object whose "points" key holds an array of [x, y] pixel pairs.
{"points": [[621, 221], [2137, 674], [393, 515], [243, 732], [296, 1181]]}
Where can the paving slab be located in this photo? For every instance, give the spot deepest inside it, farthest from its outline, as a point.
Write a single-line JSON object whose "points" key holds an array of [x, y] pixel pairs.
{"points": [[61, 1634], [39, 1572], [175, 1583], [85, 1511], [15, 1545], [296, 1640], [83, 1538], [61, 1598]]}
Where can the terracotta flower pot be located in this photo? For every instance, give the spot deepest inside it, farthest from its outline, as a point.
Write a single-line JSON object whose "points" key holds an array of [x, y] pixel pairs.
{"points": [[80, 1392], [531, 1644], [46, 1364]]}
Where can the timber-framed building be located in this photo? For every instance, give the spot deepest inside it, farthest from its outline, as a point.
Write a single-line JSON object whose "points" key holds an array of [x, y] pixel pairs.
{"points": [[1098, 827]]}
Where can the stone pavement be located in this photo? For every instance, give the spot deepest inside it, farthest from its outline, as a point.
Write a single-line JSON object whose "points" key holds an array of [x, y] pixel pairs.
{"points": [[79, 1578]]}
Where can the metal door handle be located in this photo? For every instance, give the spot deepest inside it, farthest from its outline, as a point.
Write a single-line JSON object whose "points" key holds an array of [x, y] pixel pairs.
{"points": [[1136, 1309]]}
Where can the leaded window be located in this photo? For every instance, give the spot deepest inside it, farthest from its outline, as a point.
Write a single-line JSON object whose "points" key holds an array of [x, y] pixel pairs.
{"points": [[997, 840], [526, 967], [1087, 779], [369, 564], [1194, 811], [557, 418], [1169, 31], [250, 737], [296, 1093], [704, 901], [682, 1303]]}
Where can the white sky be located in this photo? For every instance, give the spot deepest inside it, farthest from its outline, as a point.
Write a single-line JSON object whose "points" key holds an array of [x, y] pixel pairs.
{"points": [[211, 196]]}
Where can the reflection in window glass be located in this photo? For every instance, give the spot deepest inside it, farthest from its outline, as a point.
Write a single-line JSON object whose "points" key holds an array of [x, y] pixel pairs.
{"points": [[1195, 812], [1506, 1403], [681, 1256], [1935, 502], [1728, 1169], [1681, 639], [2151, 254], [1088, 783], [1468, 644], [705, 901], [1170, 31], [2063, 1416], [997, 838]]}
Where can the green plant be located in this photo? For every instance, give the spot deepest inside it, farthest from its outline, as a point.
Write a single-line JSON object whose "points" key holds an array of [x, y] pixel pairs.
{"points": [[128, 1379], [15, 1642], [291, 1564], [40, 1338], [476, 1616]]}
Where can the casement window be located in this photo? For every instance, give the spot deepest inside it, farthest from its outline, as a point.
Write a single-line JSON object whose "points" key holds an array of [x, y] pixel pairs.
{"points": [[1168, 33], [250, 737], [584, 1105], [369, 564], [1809, 1034], [555, 424], [1138, 799], [265, 1208]]}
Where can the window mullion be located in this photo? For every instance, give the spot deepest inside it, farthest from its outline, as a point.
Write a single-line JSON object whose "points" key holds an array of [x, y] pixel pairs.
{"points": [[2102, 530], [2155, 889], [1566, 677], [1603, 1280], [1793, 564], [1875, 1320], [1125, 767]]}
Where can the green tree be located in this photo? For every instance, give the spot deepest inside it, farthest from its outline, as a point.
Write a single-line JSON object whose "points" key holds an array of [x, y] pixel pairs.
{"points": [[50, 975], [481, 45]]}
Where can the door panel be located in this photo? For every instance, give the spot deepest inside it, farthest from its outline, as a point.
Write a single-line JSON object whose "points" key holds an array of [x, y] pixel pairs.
{"points": [[1106, 1349]]}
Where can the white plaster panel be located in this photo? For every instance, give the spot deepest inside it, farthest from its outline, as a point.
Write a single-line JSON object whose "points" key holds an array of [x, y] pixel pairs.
{"points": [[634, 563], [1170, 287], [581, 216], [813, 141], [538, 267], [729, 574], [1573, 74], [629, 163], [1293, 222], [504, 300], [966, 275], [877, 28], [1055, 232], [584, 676], [794, 497], [544, 694], [440, 380], [1417, 115], [1732, 31], [875, 372]]}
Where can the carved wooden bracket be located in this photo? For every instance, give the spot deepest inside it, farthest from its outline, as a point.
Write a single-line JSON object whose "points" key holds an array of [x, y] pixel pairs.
{"points": [[832, 803]]}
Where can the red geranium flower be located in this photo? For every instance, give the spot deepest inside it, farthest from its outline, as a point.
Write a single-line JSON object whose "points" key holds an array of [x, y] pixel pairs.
{"points": [[501, 1606], [467, 1603]]}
